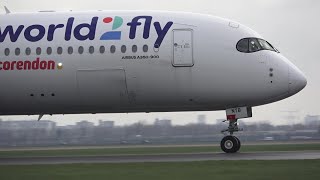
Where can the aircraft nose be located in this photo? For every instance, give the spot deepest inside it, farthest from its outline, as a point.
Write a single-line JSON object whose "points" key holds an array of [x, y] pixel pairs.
{"points": [[297, 80]]}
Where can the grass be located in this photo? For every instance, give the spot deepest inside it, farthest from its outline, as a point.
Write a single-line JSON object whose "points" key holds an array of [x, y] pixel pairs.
{"points": [[154, 150], [206, 170]]}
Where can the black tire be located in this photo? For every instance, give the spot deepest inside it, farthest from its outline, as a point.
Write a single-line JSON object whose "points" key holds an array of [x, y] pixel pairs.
{"points": [[229, 144], [239, 144]]}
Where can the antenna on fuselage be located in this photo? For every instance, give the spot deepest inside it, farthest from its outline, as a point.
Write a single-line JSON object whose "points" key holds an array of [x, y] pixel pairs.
{"points": [[40, 117], [7, 10]]}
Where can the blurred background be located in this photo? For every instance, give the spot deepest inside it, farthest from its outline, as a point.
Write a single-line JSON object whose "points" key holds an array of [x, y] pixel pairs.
{"points": [[161, 131]]}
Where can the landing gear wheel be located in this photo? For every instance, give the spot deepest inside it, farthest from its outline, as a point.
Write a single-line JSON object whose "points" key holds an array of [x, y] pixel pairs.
{"points": [[239, 143], [230, 144]]}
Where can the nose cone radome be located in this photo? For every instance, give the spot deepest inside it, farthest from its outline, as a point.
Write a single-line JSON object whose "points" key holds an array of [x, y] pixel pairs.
{"points": [[297, 80]]}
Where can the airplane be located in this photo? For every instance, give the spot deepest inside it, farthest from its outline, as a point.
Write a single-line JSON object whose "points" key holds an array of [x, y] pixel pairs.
{"points": [[139, 61]]}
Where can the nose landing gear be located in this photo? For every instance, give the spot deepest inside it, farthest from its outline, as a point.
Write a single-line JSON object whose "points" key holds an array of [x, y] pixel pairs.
{"points": [[230, 143]]}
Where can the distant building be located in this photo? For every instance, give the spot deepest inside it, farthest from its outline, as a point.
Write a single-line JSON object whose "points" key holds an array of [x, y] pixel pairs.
{"points": [[202, 119], [312, 120], [106, 124], [14, 125], [67, 127], [49, 125], [84, 124], [163, 123]]}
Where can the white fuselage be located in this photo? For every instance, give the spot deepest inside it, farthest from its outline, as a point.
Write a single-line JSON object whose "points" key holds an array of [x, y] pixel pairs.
{"points": [[134, 61]]}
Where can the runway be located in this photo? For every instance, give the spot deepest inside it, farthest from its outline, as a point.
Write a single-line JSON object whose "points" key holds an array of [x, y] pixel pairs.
{"points": [[291, 155]]}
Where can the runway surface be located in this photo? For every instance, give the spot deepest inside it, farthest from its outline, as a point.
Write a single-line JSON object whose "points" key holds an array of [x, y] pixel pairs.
{"points": [[153, 146], [291, 155]]}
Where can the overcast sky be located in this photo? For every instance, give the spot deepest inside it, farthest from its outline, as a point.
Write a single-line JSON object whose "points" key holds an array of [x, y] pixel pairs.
{"points": [[293, 26]]}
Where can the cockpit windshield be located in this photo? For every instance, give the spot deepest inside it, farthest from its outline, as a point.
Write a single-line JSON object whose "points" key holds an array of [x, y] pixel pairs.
{"points": [[254, 45], [265, 45], [249, 45]]}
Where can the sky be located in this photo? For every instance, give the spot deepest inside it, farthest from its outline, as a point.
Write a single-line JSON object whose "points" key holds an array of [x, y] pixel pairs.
{"points": [[292, 26]]}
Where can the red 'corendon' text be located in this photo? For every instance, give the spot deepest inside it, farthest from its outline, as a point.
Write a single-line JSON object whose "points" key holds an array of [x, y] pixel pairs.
{"points": [[36, 64]]}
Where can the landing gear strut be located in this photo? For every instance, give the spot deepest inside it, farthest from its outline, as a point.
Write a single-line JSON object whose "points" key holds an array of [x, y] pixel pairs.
{"points": [[230, 143]]}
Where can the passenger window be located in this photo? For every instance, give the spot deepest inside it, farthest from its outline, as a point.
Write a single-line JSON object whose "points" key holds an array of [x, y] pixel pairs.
{"points": [[156, 48], [7, 51], [243, 45], [91, 49], [113, 49], [28, 51], [123, 48], [17, 51], [102, 49], [80, 49], [70, 50], [134, 48], [145, 48], [49, 50], [38, 51], [59, 50]]}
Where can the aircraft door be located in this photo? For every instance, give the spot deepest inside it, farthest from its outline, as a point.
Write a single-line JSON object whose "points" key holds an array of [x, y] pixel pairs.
{"points": [[183, 48]]}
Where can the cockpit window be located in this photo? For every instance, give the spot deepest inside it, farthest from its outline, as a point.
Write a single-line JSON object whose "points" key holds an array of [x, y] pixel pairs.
{"points": [[265, 45], [254, 45], [243, 45], [249, 45]]}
